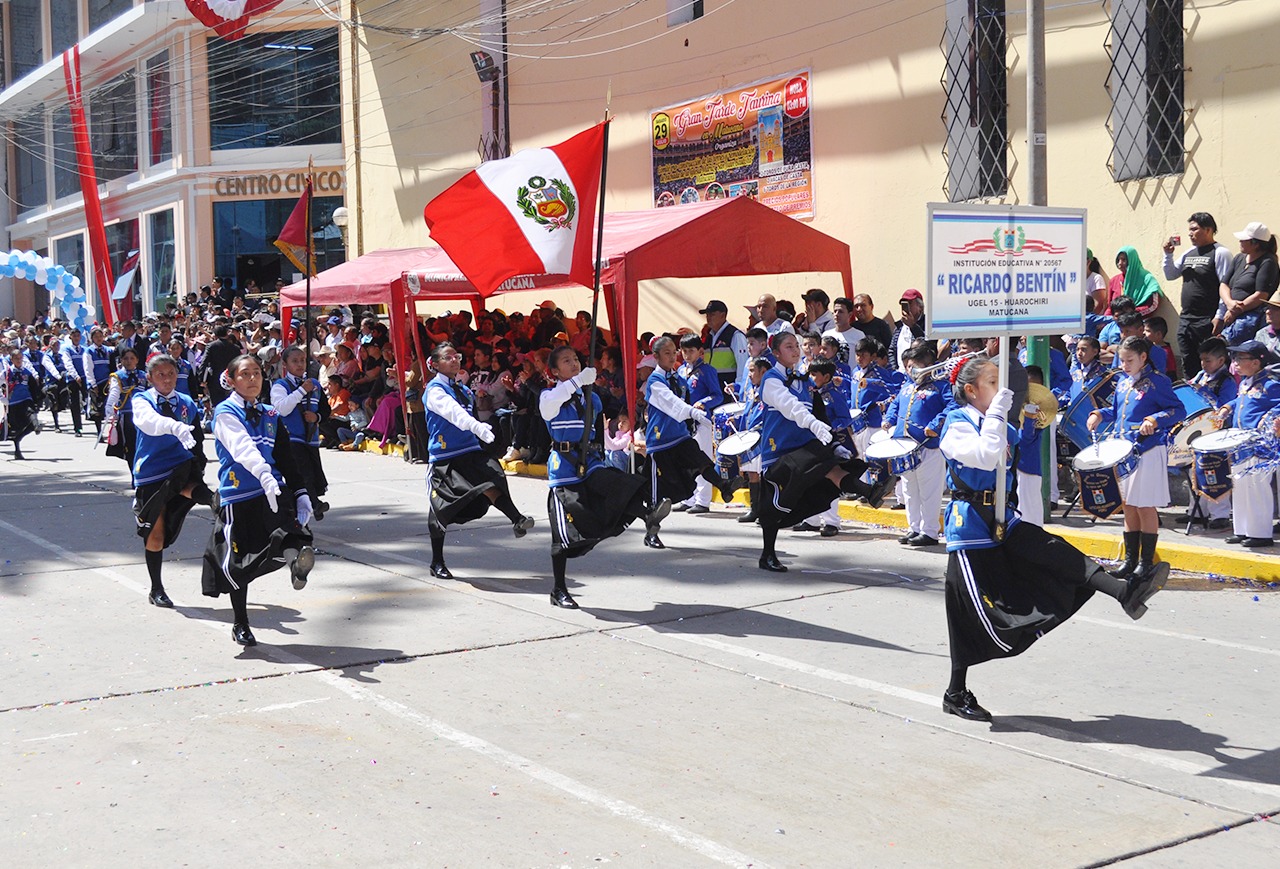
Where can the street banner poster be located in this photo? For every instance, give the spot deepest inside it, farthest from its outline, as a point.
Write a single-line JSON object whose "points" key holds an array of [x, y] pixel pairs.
{"points": [[755, 140], [1005, 270]]}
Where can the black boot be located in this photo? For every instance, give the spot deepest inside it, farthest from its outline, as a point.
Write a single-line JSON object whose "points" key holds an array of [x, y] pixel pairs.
{"points": [[560, 593], [769, 556], [1146, 556], [1131, 547], [1142, 587], [752, 515]]}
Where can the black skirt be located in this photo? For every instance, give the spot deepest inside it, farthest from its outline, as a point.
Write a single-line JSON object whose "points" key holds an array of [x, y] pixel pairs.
{"points": [[307, 458], [797, 487], [457, 487], [600, 507], [674, 472], [98, 401], [165, 498], [1001, 600], [126, 439], [248, 541], [20, 419]]}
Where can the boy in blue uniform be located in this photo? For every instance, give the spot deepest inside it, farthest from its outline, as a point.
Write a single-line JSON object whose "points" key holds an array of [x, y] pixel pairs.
{"points": [[830, 405], [75, 361], [1216, 385], [297, 398], [917, 412], [869, 396], [1259, 395], [706, 395]]}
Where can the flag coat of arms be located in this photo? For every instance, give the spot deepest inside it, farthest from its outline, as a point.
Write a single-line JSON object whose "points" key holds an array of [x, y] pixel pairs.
{"points": [[295, 240], [531, 213]]}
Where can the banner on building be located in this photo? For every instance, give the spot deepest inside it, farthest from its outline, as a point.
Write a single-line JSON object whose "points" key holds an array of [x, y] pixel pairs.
{"points": [[1005, 270], [754, 140]]}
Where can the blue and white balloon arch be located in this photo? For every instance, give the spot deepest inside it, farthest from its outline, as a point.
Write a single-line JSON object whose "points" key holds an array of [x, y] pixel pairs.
{"points": [[63, 286]]}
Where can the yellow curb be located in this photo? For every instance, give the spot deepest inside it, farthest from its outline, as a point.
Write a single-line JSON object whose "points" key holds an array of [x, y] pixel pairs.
{"points": [[526, 470]]}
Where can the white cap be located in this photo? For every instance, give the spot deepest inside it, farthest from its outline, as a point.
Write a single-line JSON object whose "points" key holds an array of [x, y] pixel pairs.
{"points": [[1257, 231]]}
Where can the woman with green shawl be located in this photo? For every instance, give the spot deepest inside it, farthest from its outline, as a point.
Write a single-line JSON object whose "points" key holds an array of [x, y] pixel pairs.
{"points": [[1135, 282]]}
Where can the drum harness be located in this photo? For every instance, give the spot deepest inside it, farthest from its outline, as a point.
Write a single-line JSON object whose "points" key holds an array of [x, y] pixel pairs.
{"points": [[983, 501]]}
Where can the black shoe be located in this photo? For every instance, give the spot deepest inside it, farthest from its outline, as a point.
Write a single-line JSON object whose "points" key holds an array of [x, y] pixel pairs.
{"points": [[242, 635], [906, 539], [680, 508], [728, 487], [898, 507], [651, 540], [17, 455], [964, 705], [1257, 542], [880, 490], [922, 540], [439, 571], [829, 531], [771, 563], [301, 566], [1142, 587], [660, 512], [698, 510], [319, 508], [521, 527], [563, 599], [1219, 524], [1236, 538], [805, 526], [79, 433], [749, 516], [160, 599]]}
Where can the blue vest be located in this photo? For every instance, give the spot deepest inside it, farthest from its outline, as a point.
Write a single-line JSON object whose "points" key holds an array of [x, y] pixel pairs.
{"points": [[235, 483], [836, 406], [869, 394], [184, 377], [779, 435], [965, 528], [293, 422], [562, 468], [704, 385], [918, 412], [19, 380], [77, 357], [155, 456], [130, 382], [101, 357], [444, 439], [662, 432]]}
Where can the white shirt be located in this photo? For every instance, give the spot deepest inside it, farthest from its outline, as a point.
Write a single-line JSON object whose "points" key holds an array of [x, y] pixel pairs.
{"points": [[778, 325]]}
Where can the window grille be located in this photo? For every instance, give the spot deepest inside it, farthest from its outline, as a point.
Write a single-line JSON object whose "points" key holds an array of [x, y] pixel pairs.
{"points": [[1147, 121], [976, 110]]}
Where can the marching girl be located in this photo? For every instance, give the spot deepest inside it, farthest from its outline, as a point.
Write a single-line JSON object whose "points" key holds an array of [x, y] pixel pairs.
{"points": [[19, 380], [125, 381], [463, 480], [917, 412], [168, 467], [676, 462], [589, 501], [263, 508], [1144, 408], [297, 398], [1087, 369], [97, 375], [177, 350], [1259, 395], [803, 473], [1004, 593]]}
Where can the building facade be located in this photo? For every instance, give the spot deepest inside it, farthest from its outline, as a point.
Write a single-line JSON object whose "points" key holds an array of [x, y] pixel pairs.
{"points": [[200, 145]]}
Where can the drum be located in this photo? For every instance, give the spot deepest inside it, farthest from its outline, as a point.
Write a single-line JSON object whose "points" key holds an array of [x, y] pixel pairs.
{"points": [[1185, 433], [1099, 469], [725, 419], [1067, 448], [1214, 455], [736, 450], [1193, 400], [858, 422], [1075, 421], [895, 455], [879, 436]]}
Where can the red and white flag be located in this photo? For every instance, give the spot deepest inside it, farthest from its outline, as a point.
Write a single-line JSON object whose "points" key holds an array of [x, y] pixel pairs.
{"points": [[531, 213]]}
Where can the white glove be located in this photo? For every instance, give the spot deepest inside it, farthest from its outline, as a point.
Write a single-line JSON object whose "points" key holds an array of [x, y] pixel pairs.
{"points": [[1001, 404], [305, 512], [699, 416], [821, 431], [271, 489], [485, 432], [1030, 409], [586, 376], [186, 437], [843, 454], [113, 437]]}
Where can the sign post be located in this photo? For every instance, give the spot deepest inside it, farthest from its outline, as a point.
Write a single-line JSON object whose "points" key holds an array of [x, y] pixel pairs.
{"points": [[1006, 271]]}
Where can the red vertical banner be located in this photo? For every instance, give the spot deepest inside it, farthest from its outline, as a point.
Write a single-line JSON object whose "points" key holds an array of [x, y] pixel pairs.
{"points": [[89, 186]]}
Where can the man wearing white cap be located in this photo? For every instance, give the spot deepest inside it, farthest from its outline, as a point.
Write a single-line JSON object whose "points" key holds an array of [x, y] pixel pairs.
{"points": [[1254, 278]]}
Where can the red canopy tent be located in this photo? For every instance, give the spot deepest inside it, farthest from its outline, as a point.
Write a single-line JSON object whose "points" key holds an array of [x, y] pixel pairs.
{"points": [[721, 238]]}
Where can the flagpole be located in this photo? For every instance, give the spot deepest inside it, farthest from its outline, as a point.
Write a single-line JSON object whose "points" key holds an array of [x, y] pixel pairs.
{"points": [[587, 389], [306, 313]]}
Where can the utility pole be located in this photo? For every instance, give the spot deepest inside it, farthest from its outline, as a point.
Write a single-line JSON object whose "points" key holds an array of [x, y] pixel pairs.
{"points": [[1038, 170]]}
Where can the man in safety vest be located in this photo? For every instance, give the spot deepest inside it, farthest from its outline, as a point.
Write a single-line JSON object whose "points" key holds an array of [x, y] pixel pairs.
{"points": [[724, 343]]}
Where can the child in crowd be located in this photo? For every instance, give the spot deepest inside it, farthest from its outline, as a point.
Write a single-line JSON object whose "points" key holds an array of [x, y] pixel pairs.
{"points": [[617, 442], [810, 346], [1154, 329], [917, 412]]}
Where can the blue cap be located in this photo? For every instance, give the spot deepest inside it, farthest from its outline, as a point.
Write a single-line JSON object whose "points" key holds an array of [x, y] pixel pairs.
{"points": [[1250, 348]]}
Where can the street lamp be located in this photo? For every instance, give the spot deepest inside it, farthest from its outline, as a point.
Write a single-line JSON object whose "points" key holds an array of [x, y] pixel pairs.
{"points": [[488, 72], [340, 217]]}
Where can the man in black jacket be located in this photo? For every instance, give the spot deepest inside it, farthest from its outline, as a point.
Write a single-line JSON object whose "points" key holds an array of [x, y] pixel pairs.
{"points": [[216, 359]]}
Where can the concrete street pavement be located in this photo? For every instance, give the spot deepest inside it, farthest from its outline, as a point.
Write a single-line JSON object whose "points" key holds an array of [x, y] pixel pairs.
{"points": [[695, 712]]}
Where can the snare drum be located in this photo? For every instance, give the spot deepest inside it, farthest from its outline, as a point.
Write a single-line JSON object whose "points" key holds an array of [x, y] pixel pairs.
{"points": [[858, 422], [1099, 469], [736, 450], [895, 455], [879, 436], [725, 419], [1215, 454], [1187, 432]]}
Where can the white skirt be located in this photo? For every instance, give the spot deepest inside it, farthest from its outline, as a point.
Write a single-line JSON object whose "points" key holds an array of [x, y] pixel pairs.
{"points": [[1148, 485]]}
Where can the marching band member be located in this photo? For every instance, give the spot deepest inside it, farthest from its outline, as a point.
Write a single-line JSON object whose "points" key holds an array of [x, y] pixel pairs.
{"points": [[1143, 408], [705, 394], [1030, 468], [50, 376], [125, 381], [802, 471], [869, 395], [256, 531], [1259, 394], [757, 346], [97, 375], [168, 467], [463, 480], [751, 420], [76, 362], [1005, 592], [917, 412], [1215, 385], [1087, 369], [588, 501], [186, 371], [675, 460], [297, 398], [834, 400], [21, 383]]}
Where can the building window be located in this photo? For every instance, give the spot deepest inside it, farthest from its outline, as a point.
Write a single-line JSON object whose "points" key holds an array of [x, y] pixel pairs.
{"points": [[683, 11], [122, 253], [1146, 83], [271, 89], [976, 108], [244, 234], [113, 128], [102, 11], [26, 36], [68, 252], [64, 20], [162, 284], [29, 161], [159, 110], [66, 168]]}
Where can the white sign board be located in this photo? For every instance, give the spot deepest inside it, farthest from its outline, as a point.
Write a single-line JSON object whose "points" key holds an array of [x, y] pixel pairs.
{"points": [[1005, 270]]}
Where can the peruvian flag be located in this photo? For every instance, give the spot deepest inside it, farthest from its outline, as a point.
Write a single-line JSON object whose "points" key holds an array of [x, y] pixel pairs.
{"points": [[529, 214]]}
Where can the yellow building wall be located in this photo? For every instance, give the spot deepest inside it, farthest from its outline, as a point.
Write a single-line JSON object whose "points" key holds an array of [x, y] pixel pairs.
{"points": [[877, 102]]}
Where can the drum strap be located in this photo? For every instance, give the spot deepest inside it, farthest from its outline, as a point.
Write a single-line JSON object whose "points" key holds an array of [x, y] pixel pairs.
{"points": [[820, 408], [984, 501]]}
